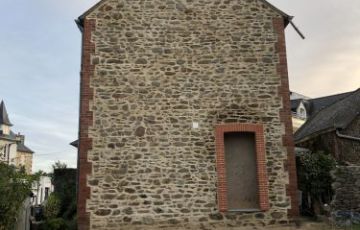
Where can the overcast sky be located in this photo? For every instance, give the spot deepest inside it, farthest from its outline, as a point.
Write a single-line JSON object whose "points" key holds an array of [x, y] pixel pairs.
{"points": [[40, 64]]}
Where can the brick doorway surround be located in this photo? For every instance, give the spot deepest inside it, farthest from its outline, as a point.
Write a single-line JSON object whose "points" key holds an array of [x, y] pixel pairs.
{"points": [[262, 178]]}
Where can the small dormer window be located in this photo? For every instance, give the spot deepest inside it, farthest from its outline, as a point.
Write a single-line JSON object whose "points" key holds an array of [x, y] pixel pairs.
{"points": [[5, 129], [302, 113]]}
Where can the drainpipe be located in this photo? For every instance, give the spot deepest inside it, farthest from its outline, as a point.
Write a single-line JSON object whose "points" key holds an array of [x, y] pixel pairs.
{"points": [[347, 136]]}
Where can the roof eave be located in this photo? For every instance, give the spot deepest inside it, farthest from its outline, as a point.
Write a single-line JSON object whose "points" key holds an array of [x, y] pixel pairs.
{"points": [[27, 151], [7, 139], [80, 20], [287, 20], [80, 23], [7, 123], [312, 136], [75, 143]]}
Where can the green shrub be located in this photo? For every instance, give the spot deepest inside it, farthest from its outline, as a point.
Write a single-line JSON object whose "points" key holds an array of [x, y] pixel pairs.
{"points": [[314, 178], [15, 186], [54, 224], [72, 224], [52, 207]]}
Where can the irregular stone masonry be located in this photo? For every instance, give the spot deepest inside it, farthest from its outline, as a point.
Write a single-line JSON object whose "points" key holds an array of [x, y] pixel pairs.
{"points": [[346, 187], [150, 69]]}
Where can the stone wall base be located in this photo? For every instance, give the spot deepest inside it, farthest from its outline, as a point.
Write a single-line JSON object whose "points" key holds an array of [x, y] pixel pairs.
{"points": [[346, 203]]}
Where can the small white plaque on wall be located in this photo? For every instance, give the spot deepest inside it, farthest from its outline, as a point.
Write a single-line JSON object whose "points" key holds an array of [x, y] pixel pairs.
{"points": [[195, 125]]}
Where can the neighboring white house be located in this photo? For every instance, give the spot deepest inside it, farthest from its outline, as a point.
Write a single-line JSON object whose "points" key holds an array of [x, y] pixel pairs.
{"points": [[13, 150], [42, 190], [298, 109]]}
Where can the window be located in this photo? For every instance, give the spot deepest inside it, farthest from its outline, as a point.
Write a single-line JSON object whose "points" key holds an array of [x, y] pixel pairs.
{"points": [[41, 195], [46, 193], [302, 113], [241, 169]]}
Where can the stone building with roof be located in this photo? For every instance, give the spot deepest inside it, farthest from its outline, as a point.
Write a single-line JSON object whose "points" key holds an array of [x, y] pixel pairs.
{"points": [[184, 116], [334, 128], [13, 150], [303, 107]]}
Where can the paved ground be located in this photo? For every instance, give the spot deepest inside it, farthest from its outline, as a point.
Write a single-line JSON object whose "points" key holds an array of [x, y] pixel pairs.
{"points": [[303, 226]]}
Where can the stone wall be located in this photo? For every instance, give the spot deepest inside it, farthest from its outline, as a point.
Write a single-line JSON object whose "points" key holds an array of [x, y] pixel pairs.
{"points": [[348, 150], [346, 187], [10, 156], [344, 150], [3, 157], [151, 69], [24, 159]]}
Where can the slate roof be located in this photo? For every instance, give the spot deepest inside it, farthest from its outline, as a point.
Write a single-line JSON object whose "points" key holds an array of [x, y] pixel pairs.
{"points": [[4, 117], [314, 105], [10, 137], [294, 104], [75, 143], [322, 102], [22, 148], [338, 115]]}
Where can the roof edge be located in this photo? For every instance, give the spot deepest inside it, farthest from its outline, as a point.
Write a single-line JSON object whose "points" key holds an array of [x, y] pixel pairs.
{"points": [[286, 16], [311, 136], [80, 20], [75, 143], [338, 94], [7, 138], [27, 151]]}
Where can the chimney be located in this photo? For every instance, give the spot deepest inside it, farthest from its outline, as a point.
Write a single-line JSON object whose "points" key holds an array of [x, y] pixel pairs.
{"points": [[20, 138]]}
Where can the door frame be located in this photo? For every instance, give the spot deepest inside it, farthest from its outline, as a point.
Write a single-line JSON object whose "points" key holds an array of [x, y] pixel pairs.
{"points": [[262, 179]]}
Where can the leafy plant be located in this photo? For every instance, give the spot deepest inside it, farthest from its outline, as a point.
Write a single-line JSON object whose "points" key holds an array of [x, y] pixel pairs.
{"points": [[54, 224], [64, 199], [315, 178], [15, 187], [59, 165], [52, 207]]}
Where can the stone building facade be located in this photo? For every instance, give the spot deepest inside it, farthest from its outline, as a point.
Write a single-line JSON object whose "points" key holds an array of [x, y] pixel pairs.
{"points": [[13, 150], [346, 189], [24, 155], [163, 83], [344, 150], [335, 130]]}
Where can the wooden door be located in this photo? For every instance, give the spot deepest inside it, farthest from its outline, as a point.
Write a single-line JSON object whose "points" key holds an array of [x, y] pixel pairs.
{"points": [[241, 172]]}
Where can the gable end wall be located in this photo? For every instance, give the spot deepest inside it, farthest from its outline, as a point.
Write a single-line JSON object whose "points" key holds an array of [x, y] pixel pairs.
{"points": [[140, 162]]}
